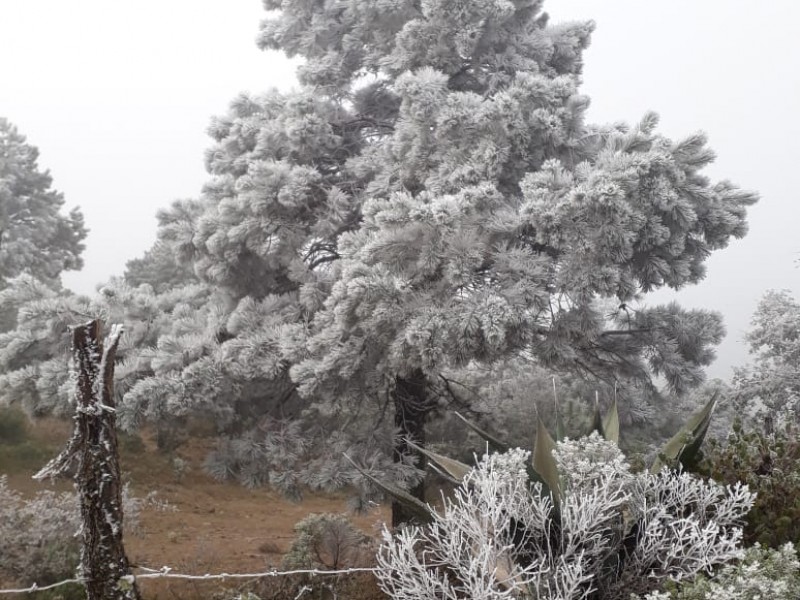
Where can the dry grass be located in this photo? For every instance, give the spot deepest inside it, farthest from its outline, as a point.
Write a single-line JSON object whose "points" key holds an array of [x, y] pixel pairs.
{"points": [[216, 527]]}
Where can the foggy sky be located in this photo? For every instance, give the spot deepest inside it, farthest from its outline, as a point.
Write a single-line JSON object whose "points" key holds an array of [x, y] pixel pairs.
{"points": [[117, 97]]}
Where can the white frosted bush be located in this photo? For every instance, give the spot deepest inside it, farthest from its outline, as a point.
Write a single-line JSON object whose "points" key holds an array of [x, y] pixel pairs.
{"points": [[764, 574], [614, 533], [39, 537]]}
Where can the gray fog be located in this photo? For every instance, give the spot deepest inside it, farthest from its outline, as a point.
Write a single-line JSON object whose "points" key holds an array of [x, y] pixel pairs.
{"points": [[117, 97]]}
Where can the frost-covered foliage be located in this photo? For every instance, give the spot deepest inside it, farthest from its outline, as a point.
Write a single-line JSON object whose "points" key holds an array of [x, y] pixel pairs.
{"points": [[771, 387], [35, 238], [293, 455], [507, 396], [39, 538], [495, 220], [327, 541], [769, 463], [614, 533], [764, 574], [430, 197], [34, 356]]}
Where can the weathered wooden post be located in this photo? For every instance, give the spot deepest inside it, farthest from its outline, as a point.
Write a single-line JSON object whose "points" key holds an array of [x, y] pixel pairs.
{"points": [[91, 456]]}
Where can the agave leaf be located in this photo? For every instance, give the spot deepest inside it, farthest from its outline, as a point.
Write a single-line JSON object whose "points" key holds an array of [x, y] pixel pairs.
{"points": [[560, 435], [597, 423], [444, 474], [455, 469], [422, 511], [544, 463], [495, 444], [611, 424], [684, 446]]}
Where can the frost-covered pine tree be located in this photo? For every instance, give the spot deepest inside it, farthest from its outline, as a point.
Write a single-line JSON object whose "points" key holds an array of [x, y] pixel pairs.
{"points": [[34, 354], [35, 238], [771, 386], [430, 197], [37, 243], [495, 220]]}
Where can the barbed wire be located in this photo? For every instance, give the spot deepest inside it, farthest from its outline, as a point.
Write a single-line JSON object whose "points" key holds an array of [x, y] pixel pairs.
{"points": [[166, 573], [36, 588]]}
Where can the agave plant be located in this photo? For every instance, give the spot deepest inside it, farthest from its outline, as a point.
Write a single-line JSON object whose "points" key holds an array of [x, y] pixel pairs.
{"points": [[568, 520], [614, 533], [681, 452]]}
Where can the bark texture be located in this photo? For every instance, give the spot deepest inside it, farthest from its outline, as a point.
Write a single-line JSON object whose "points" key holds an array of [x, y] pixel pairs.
{"points": [[91, 456], [411, 407]]}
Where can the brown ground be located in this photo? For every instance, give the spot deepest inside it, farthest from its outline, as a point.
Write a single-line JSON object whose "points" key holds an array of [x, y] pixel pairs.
{"points": [[217, 527]]}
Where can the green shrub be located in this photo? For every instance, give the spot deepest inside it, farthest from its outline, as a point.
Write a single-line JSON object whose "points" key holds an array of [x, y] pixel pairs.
{"points": [[13, 426], [769, 463], [327, 541]]}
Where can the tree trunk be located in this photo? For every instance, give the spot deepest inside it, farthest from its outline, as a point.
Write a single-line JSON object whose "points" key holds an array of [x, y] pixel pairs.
{"points": [[93, 447], [411, 407]]}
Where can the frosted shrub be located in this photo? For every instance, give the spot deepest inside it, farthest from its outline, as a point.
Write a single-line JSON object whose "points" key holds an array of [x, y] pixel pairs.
{"points": [[39, 538], [614, 533], [764, 574], [327, 541]]}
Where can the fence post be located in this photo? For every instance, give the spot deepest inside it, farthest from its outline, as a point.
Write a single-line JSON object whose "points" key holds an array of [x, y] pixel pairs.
{"points": [[92, 451]]}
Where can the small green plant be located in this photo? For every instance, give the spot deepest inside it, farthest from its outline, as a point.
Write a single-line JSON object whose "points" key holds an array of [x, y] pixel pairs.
{"points": [[180, 468], [769, 463], [326, 541], [329, 541], [69, 591]]}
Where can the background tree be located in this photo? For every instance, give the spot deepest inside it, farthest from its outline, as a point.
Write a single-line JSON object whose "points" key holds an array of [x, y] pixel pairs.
{"points": [[34, 356], [771, 386], [35, 238], [161, 267]]}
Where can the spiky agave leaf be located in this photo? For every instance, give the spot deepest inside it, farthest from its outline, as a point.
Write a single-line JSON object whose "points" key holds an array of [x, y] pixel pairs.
{"points": [[444, 474], [421, 511], [684, 446], [597, 423], [544, 463], [611, 424], [560, 433], [455, 470], [495, 444]]}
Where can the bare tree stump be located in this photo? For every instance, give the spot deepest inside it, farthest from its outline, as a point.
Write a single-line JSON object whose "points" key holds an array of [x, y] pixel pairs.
{"points": [[92, 451]]}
